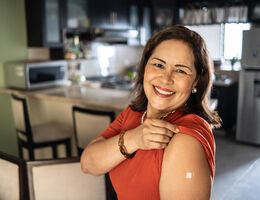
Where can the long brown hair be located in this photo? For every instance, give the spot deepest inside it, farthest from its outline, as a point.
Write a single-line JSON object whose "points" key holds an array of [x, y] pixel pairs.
{"points": [[197, 102]]}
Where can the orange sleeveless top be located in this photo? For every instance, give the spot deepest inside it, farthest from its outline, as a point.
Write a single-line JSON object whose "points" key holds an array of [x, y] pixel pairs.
{"points": [[138, 178]]}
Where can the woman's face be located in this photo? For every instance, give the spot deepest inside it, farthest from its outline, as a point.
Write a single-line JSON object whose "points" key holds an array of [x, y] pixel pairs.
{"points": [[169, 76]]}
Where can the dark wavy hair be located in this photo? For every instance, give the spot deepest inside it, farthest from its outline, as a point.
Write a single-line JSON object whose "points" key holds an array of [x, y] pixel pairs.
{"points": [[197, 102]]}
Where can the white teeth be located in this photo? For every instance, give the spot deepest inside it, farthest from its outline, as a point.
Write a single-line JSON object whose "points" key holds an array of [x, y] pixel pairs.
{"points": [[163, 92]]}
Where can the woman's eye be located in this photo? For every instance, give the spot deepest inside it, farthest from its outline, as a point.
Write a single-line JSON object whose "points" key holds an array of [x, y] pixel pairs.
{"points": [[181, 71], [158, 65]]}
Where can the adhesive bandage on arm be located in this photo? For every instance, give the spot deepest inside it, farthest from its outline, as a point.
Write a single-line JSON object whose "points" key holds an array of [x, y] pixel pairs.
{"points": [[188, 175]]}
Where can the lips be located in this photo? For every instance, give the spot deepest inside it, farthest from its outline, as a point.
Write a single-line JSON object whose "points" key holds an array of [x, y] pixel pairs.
{"points": [[163, 92]]}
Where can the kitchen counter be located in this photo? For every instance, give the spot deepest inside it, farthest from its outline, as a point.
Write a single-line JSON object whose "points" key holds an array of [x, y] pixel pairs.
{"points": [[225, 78], [94, 97], [224, 83]]}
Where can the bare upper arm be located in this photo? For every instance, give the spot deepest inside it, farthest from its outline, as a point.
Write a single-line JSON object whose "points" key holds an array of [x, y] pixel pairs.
{"points": [[97, 139], [185, 171]]}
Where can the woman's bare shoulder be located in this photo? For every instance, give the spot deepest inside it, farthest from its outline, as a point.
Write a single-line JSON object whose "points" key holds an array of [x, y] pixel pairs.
{"points": [[185, 145], [185, 171]]}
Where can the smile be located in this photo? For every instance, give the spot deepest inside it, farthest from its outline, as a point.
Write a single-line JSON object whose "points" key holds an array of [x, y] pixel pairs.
{"points": [[163, 92]]}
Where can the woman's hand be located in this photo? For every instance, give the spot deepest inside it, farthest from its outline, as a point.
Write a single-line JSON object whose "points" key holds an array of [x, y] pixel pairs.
{"points": [[154, 134]]}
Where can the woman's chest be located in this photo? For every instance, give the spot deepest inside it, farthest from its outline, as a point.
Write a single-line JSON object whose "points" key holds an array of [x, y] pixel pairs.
{"points": [[138, 178]]}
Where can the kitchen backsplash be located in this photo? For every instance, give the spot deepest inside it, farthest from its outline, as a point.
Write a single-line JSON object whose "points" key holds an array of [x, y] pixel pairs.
{"points": [[107, 59]]}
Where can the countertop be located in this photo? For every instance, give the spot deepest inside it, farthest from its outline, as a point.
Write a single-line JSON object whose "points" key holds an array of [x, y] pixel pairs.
{"points": [[224, 83], [225, 78], [97, 97]]}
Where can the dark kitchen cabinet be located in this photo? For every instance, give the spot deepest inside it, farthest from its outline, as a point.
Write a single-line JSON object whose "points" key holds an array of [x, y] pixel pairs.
{"points": [[227, 106], [164, 14], [113, 14], [50, 21], [76, 14], [44, 23]]}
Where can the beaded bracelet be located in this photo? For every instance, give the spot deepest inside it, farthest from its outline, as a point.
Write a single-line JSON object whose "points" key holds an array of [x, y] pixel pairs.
{"points": [[122, 147]]}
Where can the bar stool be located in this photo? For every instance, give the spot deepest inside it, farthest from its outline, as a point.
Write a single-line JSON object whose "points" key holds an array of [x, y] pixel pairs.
{"points": [[43, 135], [88, 124], [72, 184], [13, 184]]}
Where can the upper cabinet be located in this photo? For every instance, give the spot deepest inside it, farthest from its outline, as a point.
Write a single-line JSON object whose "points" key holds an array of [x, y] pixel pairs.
{"points": [[111, 14], [165, 13], [49, 21], [77, 15], [44, 23]]}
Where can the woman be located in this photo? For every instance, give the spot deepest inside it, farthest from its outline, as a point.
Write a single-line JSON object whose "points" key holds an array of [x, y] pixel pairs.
{"points": [[161, 146]]}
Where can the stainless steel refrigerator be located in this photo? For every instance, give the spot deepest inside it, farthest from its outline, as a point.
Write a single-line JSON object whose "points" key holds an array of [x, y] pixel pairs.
{"points": [[248, 118]]}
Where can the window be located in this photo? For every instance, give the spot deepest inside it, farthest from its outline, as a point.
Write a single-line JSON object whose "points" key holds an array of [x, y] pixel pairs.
{"points": [[212, 34], [223, 40], [233, 35]]}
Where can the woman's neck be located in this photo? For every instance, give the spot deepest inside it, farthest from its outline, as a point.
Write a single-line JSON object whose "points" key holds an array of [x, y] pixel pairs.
{"points": [[151, 114], [156, 114]]}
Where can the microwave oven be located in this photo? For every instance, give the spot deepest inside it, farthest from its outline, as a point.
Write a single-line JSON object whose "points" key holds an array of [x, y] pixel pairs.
{"points": [[33, 75]]}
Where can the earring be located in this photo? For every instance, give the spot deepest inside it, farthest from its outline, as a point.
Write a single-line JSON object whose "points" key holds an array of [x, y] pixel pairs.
{"points": [[194, 90]]}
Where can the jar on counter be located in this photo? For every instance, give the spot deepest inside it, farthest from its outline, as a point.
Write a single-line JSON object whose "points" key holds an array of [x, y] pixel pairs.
{"points": [[75, 76]]}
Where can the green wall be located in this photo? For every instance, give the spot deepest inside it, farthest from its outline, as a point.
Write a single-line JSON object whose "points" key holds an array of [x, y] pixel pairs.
{"points": [[12, 47]]}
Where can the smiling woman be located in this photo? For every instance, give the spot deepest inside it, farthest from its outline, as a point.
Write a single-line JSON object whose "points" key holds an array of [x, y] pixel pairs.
{"points": [[161, 146]]}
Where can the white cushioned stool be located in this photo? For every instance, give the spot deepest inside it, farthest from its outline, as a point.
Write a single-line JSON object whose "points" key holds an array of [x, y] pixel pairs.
{"points": [[43, 135]]}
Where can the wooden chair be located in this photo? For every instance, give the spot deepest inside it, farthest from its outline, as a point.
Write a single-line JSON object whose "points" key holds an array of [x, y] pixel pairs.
{"points": [[12, 178], [38, 136], [63, 179], [88, 124]]}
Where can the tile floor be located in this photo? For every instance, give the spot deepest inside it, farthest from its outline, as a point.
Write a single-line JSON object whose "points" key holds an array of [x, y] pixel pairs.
{"points": [[237, 170]]}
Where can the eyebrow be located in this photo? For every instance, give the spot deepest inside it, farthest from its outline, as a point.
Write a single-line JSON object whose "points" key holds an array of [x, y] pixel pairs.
{"points": [[178, 65], [159, 59]]}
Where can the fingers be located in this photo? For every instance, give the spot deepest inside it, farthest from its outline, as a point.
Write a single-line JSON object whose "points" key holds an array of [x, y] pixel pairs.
{"points": [[159, 138], [156, 145], [158, 130], [156, 134], [165, 124]]}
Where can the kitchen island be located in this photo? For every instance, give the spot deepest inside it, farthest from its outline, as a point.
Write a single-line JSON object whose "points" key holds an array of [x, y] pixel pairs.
{"points": [[99, 98]]}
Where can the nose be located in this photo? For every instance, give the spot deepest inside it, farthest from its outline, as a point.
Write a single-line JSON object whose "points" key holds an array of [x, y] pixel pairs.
{"points": [[167, 77]]}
